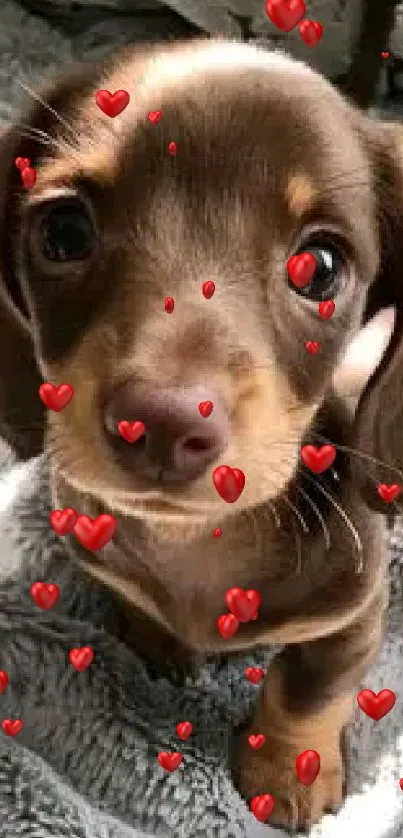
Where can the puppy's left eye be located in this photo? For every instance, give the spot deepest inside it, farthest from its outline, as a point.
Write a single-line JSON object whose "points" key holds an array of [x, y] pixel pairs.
{"points": [[67, 232], [327, 277]]}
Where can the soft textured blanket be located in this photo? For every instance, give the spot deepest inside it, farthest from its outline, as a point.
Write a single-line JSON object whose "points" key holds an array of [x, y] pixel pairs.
{"points": [[85, 763]]}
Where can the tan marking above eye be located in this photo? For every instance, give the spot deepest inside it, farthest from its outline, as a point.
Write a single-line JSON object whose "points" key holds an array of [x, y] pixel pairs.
{"points": [[300, 194]]}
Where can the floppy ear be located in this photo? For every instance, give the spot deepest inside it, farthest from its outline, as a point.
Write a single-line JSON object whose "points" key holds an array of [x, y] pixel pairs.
{"points": [[378, 431]]}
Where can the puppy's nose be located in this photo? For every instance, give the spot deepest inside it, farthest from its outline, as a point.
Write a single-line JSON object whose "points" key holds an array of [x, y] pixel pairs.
{"points": [[178, 443]]}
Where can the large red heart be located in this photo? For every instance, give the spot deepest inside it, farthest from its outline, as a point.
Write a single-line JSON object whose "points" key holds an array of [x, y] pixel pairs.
{"points": [[112, 103], [326, 309], [81, 658], [184, 730], [170, 761], [256, 740], [311, 32], [254, 674], [45, 595], [301, 269], [56, 398], [12, 726], [94, 533], [285, 13], [262, 806], [28, 177], [154, 117], [389, 493], [63, 520], [229, 482], [376, 706], [131, 431], [318, 460], [227, 625], [243, 604], [3, 681], [307, 766]]}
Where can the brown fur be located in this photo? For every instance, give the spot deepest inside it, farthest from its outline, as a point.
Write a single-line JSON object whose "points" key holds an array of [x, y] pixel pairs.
{"points": [[225, 208]]}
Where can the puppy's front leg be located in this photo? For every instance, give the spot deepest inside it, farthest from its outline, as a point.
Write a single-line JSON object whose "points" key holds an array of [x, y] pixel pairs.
{"points": [[306, 700]]}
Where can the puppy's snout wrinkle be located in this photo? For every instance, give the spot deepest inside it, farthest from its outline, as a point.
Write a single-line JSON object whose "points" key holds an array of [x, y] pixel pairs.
{"points": [[178, 444]]}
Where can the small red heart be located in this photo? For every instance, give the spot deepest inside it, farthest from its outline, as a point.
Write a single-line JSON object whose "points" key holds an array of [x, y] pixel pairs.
{"points": [[169, 304], [318, 460], [227, 625], [326, 309], [254, 674], [28, 177], [45, 595], [112, 104], [285, 14], [208, 289], [81, 658], [311, 32], [154, 117], [256, 741], [389, 493], [63, 520], [307, 766], [184, 730], [205, 409], [3, 681], [376, 706], [94, 533], [131, 431], [312, 346], [217, 532], [262, 806], [22, 163], [170, 761], [301, 269], [229, 482], [172, 148], [401, 783], [242, 604], [56, 398], [12, 726], [385, 54]]}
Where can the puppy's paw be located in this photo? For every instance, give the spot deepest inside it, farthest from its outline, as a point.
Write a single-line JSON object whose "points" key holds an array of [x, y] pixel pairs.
{"points": [[271, 770]]}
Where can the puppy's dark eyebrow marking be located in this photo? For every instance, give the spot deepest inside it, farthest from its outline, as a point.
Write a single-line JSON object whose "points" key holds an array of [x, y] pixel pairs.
{"points": [[300, 193]]}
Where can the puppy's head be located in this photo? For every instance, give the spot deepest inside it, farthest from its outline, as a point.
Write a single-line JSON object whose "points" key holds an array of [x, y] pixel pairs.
{"points": [[270, 162]]}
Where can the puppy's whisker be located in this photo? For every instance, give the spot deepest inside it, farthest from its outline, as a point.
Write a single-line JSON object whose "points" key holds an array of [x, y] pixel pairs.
{"points": [[318, 514], [345, 518], [38, 98], [297, 514], [275, 514]]}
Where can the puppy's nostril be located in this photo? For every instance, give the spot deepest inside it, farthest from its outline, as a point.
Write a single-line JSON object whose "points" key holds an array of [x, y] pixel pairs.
{"points": [[197, 443]]}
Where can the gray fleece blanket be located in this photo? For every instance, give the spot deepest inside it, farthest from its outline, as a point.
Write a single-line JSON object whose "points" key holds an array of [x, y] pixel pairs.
{"points": [[85, 762]]}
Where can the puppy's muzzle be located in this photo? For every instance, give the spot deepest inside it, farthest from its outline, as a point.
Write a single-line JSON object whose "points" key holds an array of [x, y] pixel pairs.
{"points": [[178, 444]]}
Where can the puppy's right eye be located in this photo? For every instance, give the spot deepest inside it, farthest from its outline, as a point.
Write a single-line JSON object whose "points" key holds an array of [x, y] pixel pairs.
{"points": [[67, 232]]}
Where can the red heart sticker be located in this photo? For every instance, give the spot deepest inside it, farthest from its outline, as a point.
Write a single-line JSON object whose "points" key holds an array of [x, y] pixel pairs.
{"points": [[28, 177], [154, 117], [285, 14], [318, 460], [312, 346], [184, 730], [389, 493], [112, 104], [243, 604], [401, 783], [3, 681], [81, 658], [170, 761], [205, 409], [169, 305], [229, 482], [22, 163], [376, 706], [45, 595], [208, 289], [254, 674], [12, 726], [385, 54], [256, 741], [56, 398], [326, 309], [172, 148], [307, 766], [262, 806], [131, 431], [227, 625], [217, 532], [63, 520], [311, 32], [301, 269], [95, 533]]}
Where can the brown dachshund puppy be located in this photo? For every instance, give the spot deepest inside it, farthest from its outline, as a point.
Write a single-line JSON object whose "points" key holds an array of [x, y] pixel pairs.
{"points": [[269, 162]]}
